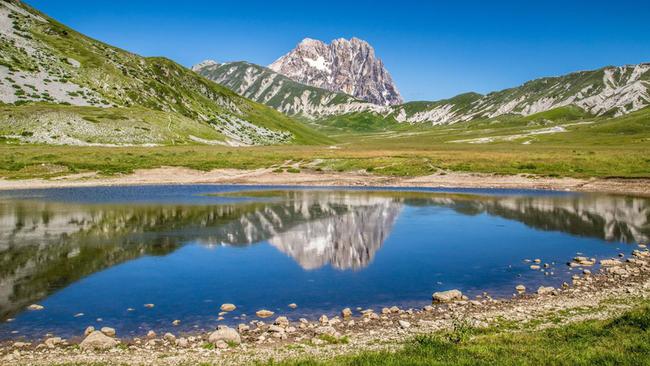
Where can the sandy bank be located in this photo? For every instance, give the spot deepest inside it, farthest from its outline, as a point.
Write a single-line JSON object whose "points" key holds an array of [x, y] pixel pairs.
{"points": [[174, 175]]}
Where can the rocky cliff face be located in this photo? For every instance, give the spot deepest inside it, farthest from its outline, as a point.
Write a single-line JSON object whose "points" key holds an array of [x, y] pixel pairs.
{"points": [[347, 66]]}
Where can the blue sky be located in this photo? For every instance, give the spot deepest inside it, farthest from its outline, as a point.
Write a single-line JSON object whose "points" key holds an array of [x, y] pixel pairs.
{"points": [[433, 49]]}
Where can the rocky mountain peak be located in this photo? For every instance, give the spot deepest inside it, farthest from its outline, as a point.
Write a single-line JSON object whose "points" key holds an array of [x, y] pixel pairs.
{"points": [[204, 64], [348, 66]]}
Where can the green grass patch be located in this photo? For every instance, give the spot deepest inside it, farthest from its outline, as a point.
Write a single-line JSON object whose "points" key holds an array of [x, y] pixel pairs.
{"points": [[624, 340]]}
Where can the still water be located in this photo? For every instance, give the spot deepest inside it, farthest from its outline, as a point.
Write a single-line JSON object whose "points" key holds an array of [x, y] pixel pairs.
{"points": [[95, 256]]}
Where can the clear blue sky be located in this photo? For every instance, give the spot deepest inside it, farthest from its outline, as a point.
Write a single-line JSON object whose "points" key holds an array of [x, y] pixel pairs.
{"points": [[433, 49]]}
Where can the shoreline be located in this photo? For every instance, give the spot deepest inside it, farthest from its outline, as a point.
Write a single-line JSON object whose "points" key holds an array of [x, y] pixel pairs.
{"points": [[618, 285], [185, 176]]}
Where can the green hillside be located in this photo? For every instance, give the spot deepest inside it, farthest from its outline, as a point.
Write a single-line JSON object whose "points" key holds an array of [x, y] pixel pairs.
{"points": [[45, 63]]}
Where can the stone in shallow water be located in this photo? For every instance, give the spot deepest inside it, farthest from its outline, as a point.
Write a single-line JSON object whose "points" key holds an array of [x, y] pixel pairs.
{"points": [[447, 296], [228, 307], [89, 330], [98, 341], [264, 313], [520, 288], [35, 307], [293, 305]]}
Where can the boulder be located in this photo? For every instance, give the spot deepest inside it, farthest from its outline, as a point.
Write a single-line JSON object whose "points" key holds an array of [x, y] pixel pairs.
{"points": [[225, 334], [346, 313], [35, 307], [610, 262], [89, 330], [293, 305], [447, 296], [98, 341], [169, 337]]}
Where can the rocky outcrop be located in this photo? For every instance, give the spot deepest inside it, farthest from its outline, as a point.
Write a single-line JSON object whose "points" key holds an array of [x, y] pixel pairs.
{"points": [[347, 66]]}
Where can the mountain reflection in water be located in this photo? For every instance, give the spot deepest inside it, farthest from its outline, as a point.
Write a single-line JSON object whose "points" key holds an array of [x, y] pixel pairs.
{"points": [[45, 246]]}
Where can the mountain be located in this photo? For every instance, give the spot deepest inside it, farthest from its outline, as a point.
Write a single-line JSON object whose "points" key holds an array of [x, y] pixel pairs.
{"points": [[609, 91], [347, 66], [58, 86], [275, 90]]}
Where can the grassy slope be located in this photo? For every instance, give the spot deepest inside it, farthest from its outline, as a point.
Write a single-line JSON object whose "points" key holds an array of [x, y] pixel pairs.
{"points": [[621, 341], [125, 79], [614, 147]]}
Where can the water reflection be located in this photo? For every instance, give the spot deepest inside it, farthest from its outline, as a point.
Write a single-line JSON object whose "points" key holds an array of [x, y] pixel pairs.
{"points": [[45, 246]]}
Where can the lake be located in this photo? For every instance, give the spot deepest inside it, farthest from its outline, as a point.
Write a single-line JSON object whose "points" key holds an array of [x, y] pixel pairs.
{"points": [[96, 256]]}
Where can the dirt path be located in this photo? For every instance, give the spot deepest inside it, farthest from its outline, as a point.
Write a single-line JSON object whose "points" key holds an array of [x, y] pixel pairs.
{"points": [[174, 175]]}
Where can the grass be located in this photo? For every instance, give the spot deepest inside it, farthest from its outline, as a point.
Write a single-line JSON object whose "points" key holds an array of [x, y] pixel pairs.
{"points": [[624, 340], [615, 147]]}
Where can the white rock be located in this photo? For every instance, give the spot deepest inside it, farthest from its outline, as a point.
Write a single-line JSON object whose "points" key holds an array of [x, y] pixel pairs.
{"points": [[447, 296], [98, 341], [226, 334]]}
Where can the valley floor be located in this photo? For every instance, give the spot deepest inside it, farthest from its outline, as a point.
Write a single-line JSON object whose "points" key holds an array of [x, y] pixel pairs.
{"points": [[267, 176]]}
